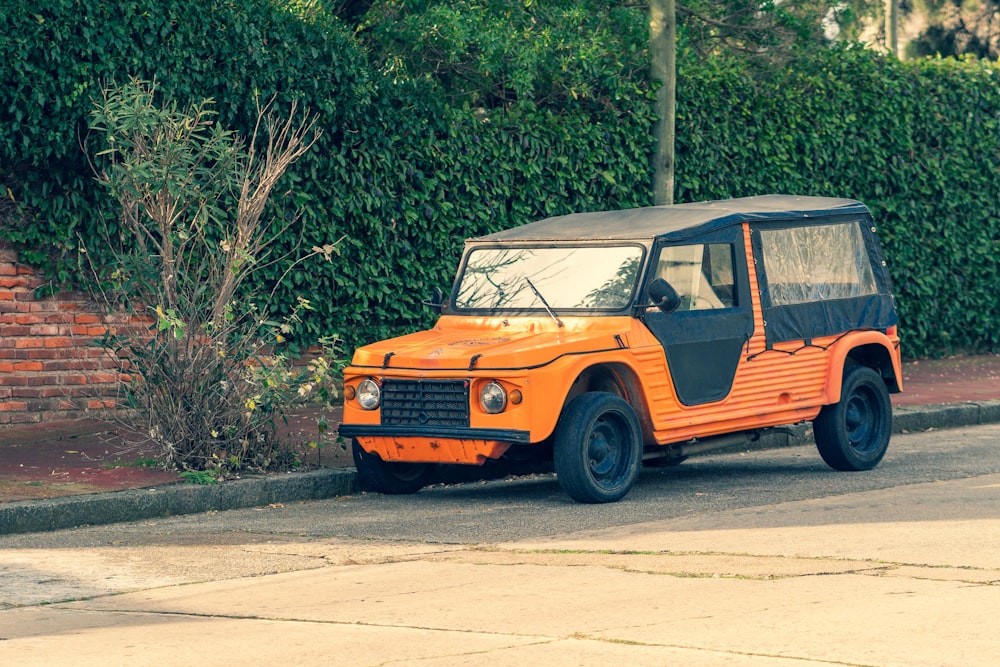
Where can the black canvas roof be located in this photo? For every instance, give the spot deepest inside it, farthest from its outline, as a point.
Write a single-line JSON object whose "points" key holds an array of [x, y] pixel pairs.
{"points": [[677, 221]]}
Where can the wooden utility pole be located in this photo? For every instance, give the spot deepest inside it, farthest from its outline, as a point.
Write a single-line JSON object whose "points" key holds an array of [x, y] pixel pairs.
{"points": [[663, 68], [892, 27]]}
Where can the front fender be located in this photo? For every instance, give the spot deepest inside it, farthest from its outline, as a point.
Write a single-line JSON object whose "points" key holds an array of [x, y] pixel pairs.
{"points": [[553, 387]]}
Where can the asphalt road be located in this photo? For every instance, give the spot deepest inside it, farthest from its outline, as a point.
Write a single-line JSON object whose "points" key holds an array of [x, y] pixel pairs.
{"points": [[535, 506]]}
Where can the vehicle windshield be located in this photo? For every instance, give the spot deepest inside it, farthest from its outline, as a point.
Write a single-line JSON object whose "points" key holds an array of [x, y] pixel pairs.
{"points": [[567, 278]]}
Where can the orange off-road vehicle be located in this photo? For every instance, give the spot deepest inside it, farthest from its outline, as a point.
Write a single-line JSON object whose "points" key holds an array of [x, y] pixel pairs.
{"points": [[598, 341]]}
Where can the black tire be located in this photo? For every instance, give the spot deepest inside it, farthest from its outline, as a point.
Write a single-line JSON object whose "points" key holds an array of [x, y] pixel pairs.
{"points": [[392, 477], [854, 433], [598, 448]]}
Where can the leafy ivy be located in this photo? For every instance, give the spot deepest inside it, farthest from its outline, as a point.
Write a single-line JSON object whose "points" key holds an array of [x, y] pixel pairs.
{"points": [[419, 154]]}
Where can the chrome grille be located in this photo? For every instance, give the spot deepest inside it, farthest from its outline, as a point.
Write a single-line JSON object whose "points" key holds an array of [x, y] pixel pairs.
{"points": [[425, 403]]}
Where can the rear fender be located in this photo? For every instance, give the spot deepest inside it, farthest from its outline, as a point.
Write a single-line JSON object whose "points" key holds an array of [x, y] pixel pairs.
{"points": [[866, 348]]}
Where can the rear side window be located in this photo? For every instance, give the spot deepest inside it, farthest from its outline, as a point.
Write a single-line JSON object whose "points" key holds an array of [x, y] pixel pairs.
{"points": [[816, 263]]}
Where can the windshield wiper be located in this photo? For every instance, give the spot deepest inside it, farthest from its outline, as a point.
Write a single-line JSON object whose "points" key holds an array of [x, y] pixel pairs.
{"points": [[544, 302]]}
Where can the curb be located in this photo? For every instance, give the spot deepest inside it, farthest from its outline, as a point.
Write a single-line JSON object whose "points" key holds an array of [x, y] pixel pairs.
{"points": [[32, 516], [948, 415]]}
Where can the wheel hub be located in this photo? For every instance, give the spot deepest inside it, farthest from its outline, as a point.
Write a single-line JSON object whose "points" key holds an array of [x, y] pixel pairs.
{"points": [[858, 418], [601, 450]]}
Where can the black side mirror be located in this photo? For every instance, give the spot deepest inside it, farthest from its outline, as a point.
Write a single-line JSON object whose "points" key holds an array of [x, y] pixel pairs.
{"points": [[437, 299], [664, 295]]}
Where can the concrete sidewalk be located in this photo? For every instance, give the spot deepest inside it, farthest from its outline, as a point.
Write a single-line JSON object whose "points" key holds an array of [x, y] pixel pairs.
{"points": [[904, 575], [62, 475]]}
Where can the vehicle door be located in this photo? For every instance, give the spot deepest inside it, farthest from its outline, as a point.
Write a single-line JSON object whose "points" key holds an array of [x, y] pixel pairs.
{"points": [[705, 334]]}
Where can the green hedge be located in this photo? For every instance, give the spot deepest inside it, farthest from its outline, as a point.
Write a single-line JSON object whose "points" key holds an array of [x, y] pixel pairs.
{"points": [[56, 55], [918, 142], [416, 186], [404, 173]]}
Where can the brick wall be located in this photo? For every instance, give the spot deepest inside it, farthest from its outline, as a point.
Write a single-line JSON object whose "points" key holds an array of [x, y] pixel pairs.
{"points": [[49, 365]]}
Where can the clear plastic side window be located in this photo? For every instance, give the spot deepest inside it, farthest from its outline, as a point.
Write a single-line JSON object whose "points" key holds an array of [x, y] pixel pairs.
{"points": [[702, 274], [816, 263]]}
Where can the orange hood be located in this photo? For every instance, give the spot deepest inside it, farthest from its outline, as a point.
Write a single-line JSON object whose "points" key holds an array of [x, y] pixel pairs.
{"points": [[467, 343]]}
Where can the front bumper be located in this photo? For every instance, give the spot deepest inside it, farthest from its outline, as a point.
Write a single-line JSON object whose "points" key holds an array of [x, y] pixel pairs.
{"points": [[512, 436], [467, 446]]}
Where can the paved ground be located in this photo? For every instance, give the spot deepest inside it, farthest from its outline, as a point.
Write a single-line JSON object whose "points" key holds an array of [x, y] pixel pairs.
{"points": [[51, 460], [900, 566], [952, 380]]}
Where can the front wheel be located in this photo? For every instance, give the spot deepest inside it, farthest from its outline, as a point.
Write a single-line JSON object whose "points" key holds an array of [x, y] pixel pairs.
{"points": [[390, 477], [854, 433], [598, 448]]}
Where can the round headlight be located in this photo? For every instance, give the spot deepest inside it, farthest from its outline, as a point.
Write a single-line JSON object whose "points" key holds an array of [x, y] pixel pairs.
{"points": [[369, 394], [493, 398]]}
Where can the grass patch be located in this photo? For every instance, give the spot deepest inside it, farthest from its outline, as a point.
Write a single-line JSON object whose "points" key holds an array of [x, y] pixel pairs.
{"points": [[202, 477]]}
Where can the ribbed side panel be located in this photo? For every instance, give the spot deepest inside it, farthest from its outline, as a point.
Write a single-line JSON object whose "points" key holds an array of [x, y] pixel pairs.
{"points": [[775, 386], [657, 380]]}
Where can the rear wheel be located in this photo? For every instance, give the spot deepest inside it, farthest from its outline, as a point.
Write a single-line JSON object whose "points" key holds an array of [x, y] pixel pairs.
{"points": [[854, 433], [598, 448], [391, 477]]}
